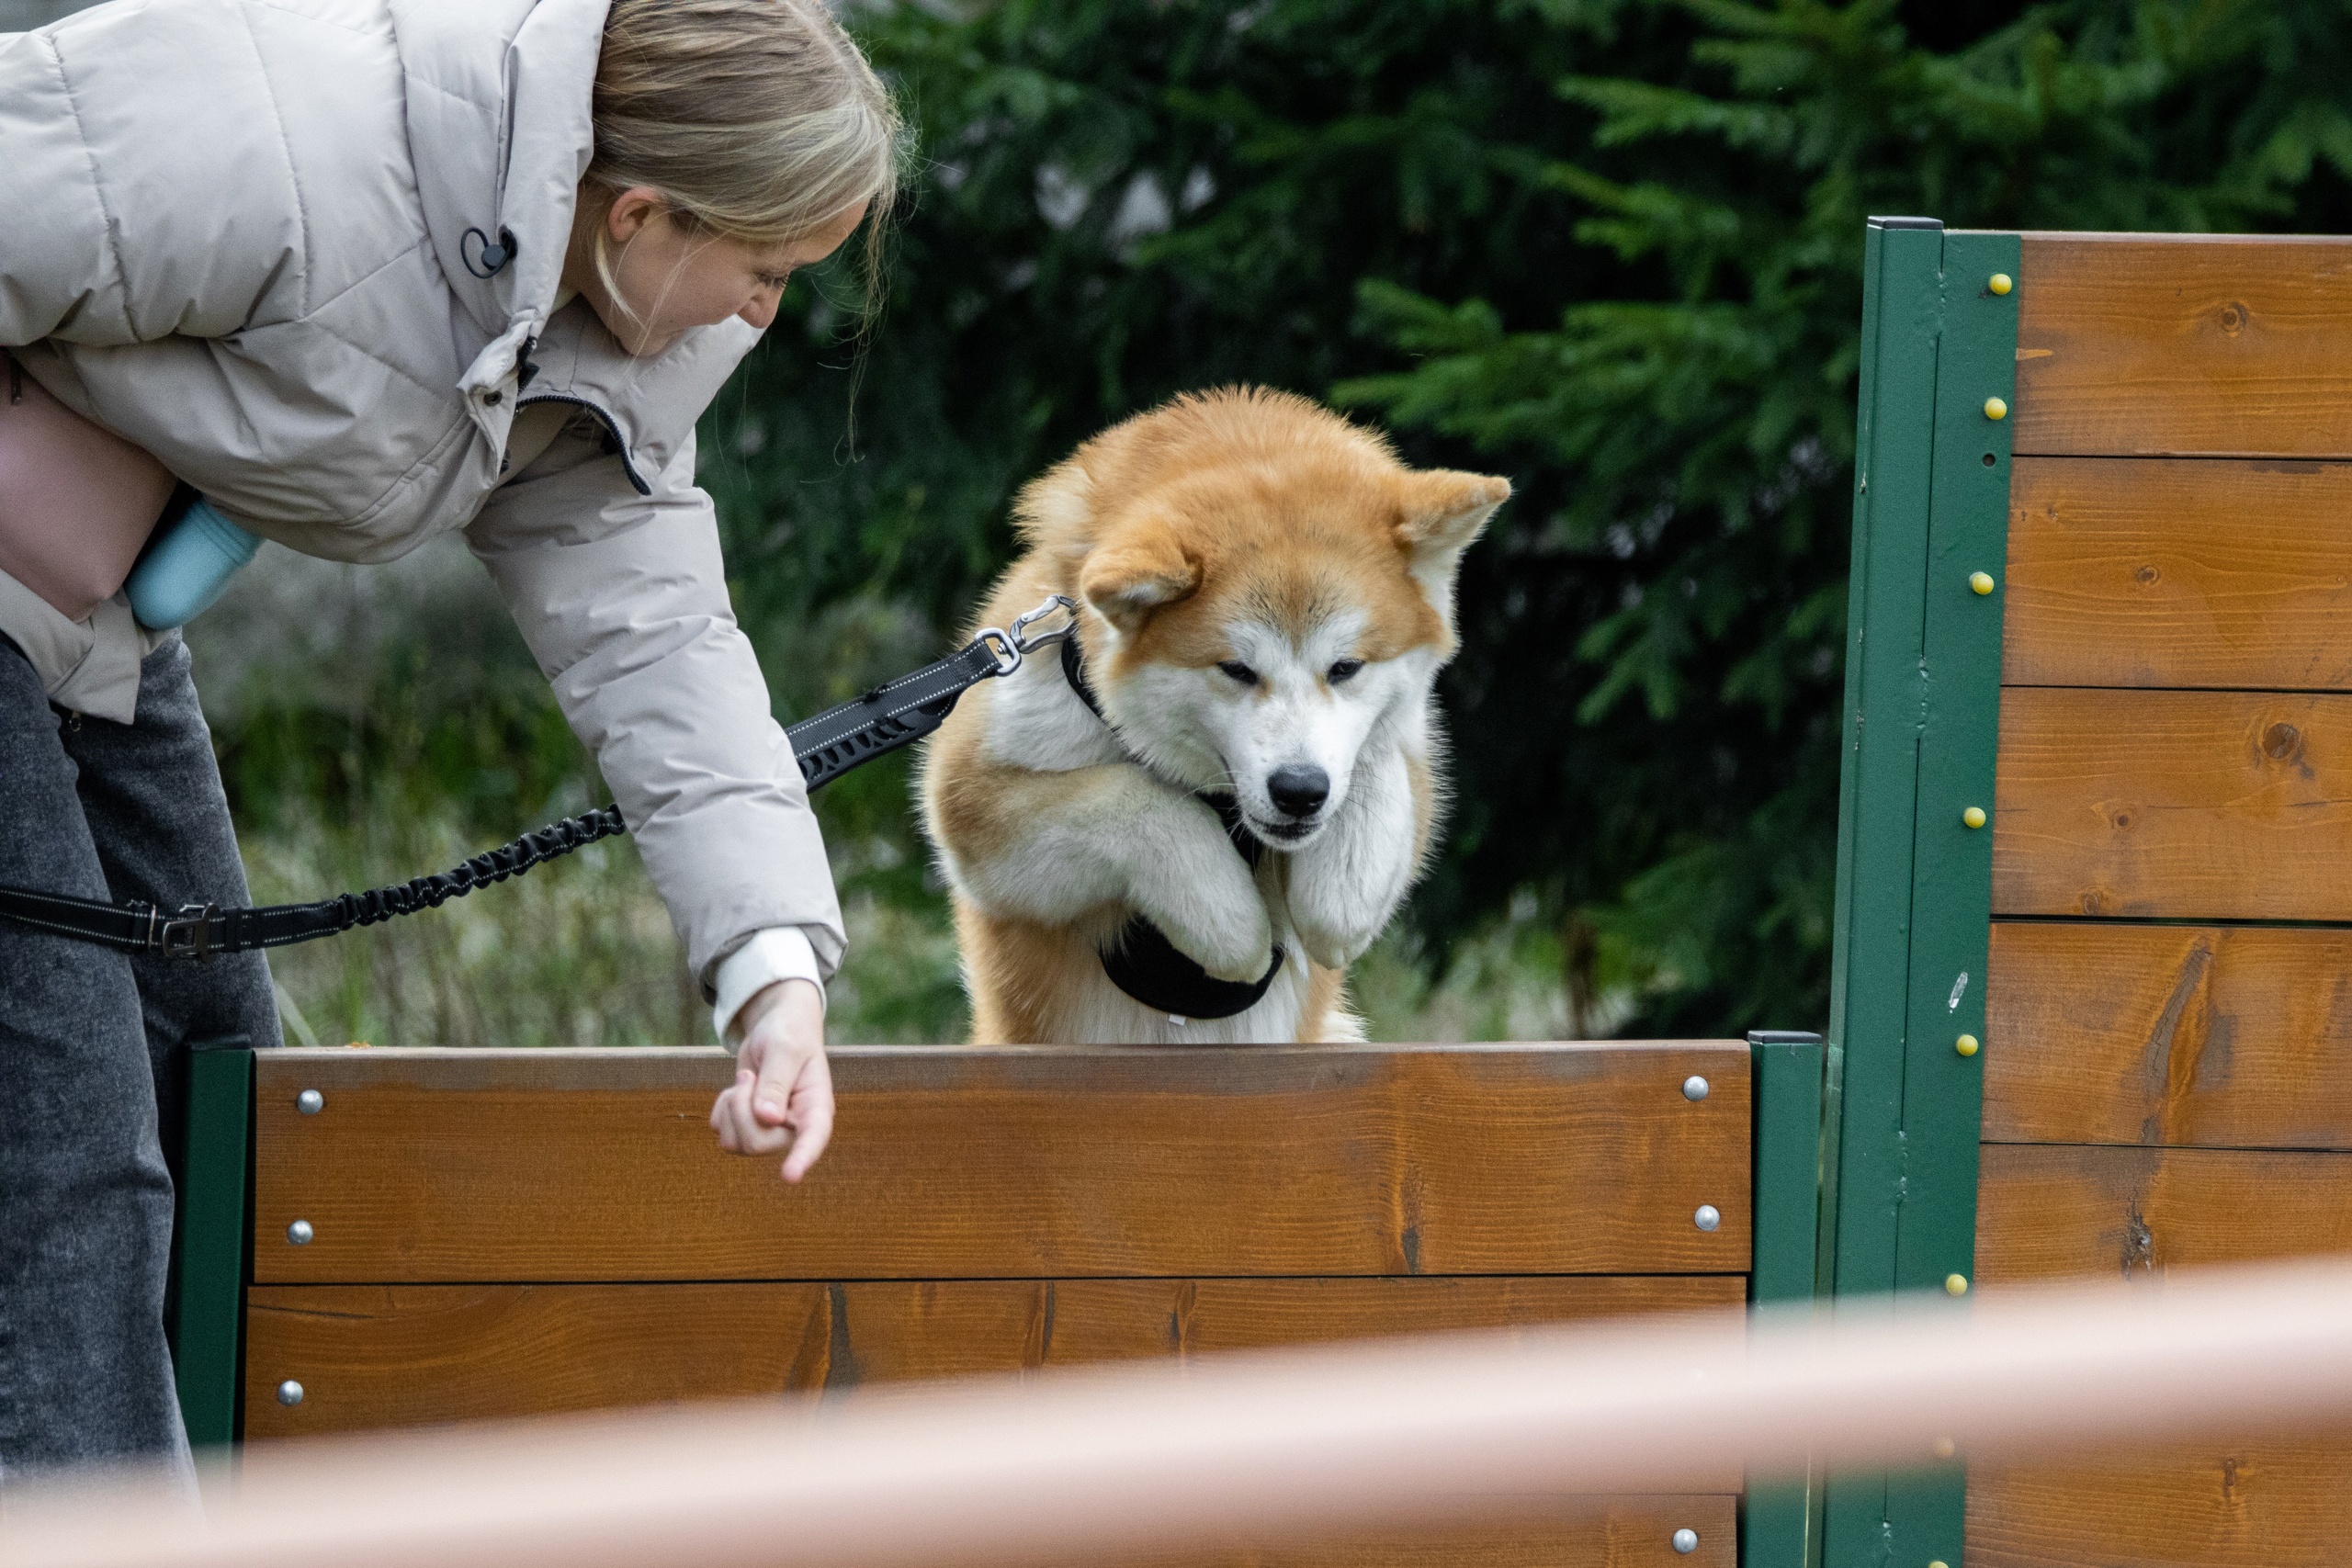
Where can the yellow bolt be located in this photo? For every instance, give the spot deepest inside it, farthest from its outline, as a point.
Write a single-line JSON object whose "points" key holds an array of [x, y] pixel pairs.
{"points": [[1938, 1563], [1965, 1044], [1996, 409], [1981, 581], [1955, 1284], [1946, 1447], [2000, 284], [1973, 817]]}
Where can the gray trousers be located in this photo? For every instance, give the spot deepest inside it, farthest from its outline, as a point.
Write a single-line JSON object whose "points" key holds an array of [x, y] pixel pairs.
{"points": [[94, 1060]]}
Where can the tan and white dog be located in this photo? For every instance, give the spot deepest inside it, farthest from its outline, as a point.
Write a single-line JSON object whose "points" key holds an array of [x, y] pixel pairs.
{"points": [[1265, 597]]}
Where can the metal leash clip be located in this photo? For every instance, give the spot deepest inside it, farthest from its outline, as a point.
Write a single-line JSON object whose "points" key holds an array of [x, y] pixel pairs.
{"points": [[1011, 648]]}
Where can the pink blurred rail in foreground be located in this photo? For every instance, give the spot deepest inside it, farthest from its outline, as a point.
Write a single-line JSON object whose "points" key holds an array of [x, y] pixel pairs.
{"points": [[1070, 1466]]}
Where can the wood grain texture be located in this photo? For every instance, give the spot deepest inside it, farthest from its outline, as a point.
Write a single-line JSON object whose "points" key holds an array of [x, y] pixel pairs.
{"points": [[2268, 1502], [2056, 1212], [2157, 572], [2192, 805], [979, 1162], [380, 1356], [1613, 1532], [2149, 345], [2217, 1036]]}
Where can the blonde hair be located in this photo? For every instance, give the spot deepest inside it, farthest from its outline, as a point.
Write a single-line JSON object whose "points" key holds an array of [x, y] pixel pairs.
{"points": [[758, 121]]}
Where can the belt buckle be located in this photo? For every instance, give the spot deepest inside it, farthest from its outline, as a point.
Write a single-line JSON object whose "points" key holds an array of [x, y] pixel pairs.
{"points": [[190, 935]]}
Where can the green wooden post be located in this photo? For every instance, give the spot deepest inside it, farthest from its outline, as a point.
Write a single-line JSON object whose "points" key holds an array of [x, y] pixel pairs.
{"points": [[1914, 880], [209, 1332], [1780, 1520]]}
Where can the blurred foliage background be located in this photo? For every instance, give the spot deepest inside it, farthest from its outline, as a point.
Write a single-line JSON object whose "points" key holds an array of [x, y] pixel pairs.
{"points": [[1611, 248]]}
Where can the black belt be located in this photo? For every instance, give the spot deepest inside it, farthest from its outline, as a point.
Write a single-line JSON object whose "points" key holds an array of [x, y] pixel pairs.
{"points": [[892, 715]]}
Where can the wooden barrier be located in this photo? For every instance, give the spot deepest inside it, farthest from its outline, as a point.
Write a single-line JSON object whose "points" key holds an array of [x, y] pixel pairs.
{"points": [[2109, 1031], [433, 1237]]}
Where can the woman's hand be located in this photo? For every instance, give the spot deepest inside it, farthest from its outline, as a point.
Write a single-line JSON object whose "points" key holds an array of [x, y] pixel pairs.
{"points": [[782, 1093]]}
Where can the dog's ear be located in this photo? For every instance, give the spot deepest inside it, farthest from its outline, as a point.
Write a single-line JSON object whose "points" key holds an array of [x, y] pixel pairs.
{"points": [[1140, 570], [1444, 510]]}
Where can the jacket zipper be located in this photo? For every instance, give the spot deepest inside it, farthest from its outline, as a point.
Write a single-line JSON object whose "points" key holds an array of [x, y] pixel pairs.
{"points": [[612, 431]]}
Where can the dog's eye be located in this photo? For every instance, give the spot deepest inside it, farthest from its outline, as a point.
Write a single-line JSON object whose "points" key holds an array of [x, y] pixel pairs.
{"points": [[1345, 670], [1240, 672]]}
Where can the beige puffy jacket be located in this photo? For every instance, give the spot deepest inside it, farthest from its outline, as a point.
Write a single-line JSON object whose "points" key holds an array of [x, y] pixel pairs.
{"points": [[236, 231]]}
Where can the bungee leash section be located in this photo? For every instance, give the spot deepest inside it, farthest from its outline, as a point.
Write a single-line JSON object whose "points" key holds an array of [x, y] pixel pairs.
{"points": [[890, 716]]}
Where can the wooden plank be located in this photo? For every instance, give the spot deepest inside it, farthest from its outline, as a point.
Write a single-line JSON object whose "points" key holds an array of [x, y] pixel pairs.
{"points": [[2192, 805], [2066, 1211], [459, 1166], [2219, 1036], [2152, 344], [2271, 1503], [377, 1355], [1613, 1532], [2157, 572]]}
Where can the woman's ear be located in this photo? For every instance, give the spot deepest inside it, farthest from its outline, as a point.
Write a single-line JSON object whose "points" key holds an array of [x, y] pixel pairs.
{"points": [[631, 211], [1444, 510], [1138, 571]]}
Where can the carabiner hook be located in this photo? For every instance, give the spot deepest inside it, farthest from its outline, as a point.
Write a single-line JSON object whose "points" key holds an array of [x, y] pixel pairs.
{"points": [[1027, 644]]}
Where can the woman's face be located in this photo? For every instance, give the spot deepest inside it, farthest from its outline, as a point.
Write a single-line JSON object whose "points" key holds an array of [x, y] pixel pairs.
{"points": [[667, 279]]}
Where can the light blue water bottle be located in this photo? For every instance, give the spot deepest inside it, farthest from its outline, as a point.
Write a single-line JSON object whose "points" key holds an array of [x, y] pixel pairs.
{"points": [[187, 566]]}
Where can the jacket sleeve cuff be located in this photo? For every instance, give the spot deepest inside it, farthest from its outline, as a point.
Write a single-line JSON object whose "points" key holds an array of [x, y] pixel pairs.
{"points": [[780, 953]]}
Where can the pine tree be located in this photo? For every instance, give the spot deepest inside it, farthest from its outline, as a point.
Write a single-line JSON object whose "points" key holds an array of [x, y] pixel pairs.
{"points": [[1697, 413]]}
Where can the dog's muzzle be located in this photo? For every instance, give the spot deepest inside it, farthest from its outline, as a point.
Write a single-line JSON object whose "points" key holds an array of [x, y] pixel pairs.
{"points": [[1298, 791]]}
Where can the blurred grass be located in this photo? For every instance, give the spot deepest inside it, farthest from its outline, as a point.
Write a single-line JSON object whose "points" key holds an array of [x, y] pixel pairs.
{"points": [[374, 724], [579, 953]]}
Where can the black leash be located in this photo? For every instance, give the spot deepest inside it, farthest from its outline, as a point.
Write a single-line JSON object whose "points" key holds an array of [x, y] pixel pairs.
{"points": [[1140, 959], [892, 715]]}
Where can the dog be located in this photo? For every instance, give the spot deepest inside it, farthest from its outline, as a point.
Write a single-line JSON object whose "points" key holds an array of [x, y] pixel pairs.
{"points": [[1184, 828]]}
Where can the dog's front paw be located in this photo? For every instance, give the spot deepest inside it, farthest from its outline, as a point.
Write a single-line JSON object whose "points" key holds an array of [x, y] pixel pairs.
{"points": [[1204, 899], [1242, 955], [1333, 937], [1343, 888]]}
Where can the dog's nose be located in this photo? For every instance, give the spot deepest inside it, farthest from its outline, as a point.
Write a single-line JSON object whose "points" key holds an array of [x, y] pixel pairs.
{"points": [[1300, 789]]}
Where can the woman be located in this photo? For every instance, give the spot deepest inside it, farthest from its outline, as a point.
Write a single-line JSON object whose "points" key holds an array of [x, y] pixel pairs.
{"points": [[362, 272]]}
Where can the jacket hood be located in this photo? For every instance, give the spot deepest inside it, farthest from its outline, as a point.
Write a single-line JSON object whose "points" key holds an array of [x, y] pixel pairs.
{"points": [[499, 132], [500, 140]]}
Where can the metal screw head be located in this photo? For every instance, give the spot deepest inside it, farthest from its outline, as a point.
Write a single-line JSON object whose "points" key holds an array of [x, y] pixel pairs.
{"points": [[1694, 1087], [1996, 408], [310, 1103], [299, 1233], [2000, 283], [1973, 817], [1946, 1447], [1980, 582], [289, 1393], [1965, 1044], [1686, 1541], [1955, 1284], [1708, 1217]]}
